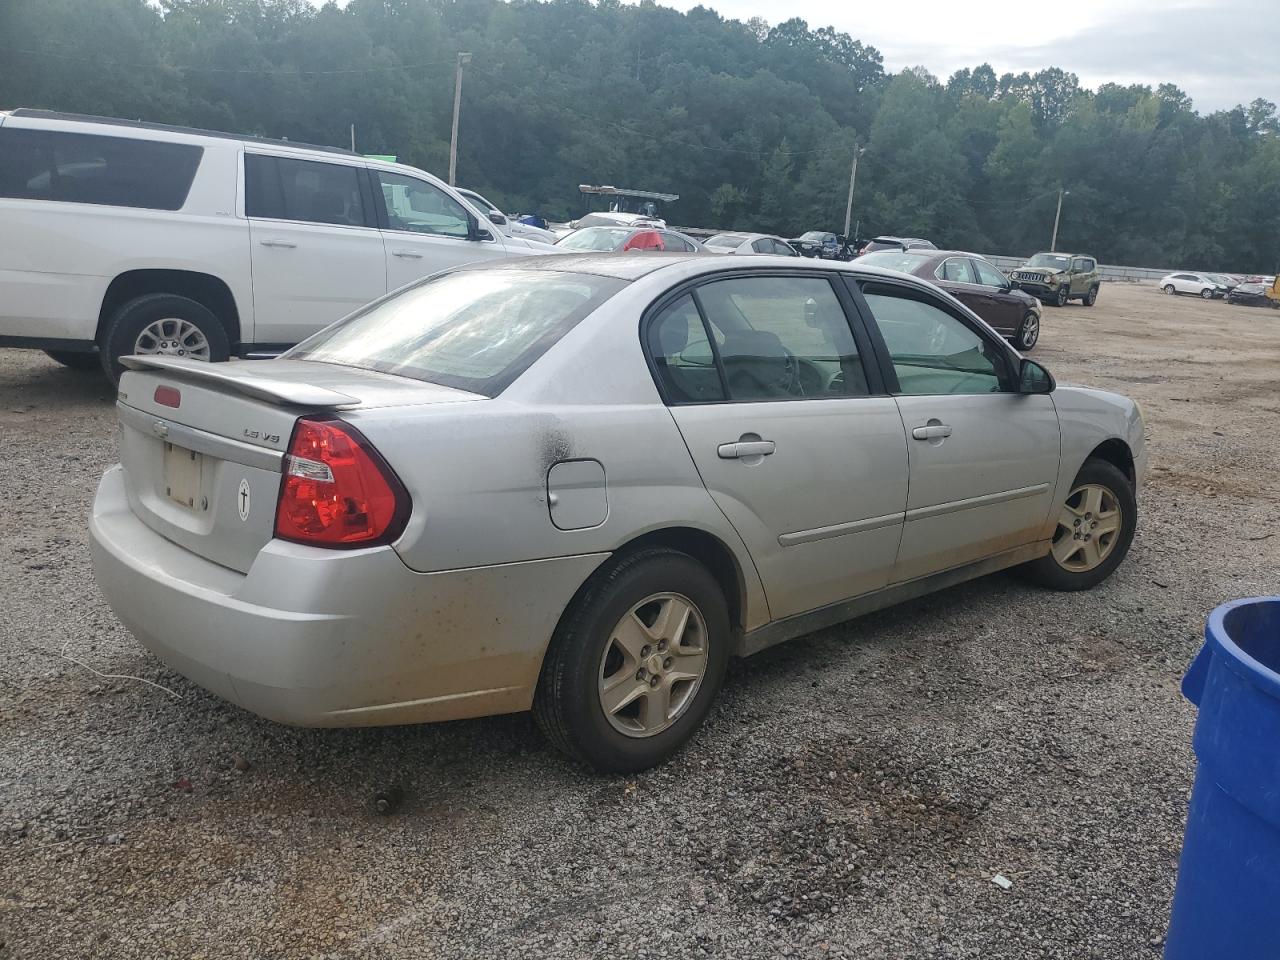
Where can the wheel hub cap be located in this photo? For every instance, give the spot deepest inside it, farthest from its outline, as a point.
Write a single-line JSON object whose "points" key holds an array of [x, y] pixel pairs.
{"points": [[1088, 529], [172, 337]]}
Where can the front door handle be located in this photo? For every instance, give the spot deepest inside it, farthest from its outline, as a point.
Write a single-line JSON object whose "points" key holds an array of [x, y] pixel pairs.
{"points": [[933, 431], [745, 448], [406, 254], [285, 244]]}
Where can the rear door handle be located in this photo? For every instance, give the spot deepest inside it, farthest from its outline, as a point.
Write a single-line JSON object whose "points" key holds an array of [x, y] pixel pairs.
{"points": [[288, 245], [406, 254], [934, 431], [745, 448]]}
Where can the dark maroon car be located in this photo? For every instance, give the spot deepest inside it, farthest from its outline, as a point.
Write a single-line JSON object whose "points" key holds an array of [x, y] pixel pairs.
{"points": [[977, 284]]}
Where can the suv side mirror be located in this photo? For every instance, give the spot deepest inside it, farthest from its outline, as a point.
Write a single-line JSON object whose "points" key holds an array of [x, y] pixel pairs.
{"points": [[1033, 378], [497, 218]]}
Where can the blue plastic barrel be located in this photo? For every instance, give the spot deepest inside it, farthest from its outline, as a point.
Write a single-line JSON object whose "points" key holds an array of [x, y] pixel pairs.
{"points": [[1227, 902]]}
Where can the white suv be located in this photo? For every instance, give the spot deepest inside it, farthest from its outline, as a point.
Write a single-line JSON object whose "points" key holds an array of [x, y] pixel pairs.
{"points": [[122, 238]]}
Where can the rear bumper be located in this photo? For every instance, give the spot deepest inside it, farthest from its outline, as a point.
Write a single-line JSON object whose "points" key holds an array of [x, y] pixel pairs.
{"points": [[314, 637]]}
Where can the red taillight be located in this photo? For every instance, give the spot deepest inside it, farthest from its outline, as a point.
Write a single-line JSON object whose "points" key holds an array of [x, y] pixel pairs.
{"points": [[168, 397], [337, 491]]}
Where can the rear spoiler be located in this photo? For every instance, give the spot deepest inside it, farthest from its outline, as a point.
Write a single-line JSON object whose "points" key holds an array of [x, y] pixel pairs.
{"points": [[240, 377]]}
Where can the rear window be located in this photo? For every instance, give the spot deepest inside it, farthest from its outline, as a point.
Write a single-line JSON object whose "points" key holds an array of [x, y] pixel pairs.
{"points": [[895, 259], [87, 168], [475, 330], [603, 239], [726, 240]]}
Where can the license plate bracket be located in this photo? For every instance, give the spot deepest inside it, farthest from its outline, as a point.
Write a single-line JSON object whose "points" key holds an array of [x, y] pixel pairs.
{"points": [[182, 476]]}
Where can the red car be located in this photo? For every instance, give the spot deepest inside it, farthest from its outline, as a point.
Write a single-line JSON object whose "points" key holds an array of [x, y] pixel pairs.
{"points": [[623, 239]]}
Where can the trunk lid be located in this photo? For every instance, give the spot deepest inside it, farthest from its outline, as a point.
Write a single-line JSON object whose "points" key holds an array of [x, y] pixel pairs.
{"points": [[205, 473]]}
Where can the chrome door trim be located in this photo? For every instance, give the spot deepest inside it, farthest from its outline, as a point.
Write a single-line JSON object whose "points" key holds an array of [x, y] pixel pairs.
{"points": [[955, 506], [839, 529]]}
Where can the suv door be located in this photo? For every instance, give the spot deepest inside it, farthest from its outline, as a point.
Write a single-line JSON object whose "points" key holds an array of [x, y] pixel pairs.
{"points": [[1006, 310], [315, 253], [797, 445], [426, 230], [984, 458]]}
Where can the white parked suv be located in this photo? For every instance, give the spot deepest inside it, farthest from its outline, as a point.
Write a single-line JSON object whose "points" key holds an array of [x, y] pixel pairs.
{"points": [[1203, 285], [134, 238]]}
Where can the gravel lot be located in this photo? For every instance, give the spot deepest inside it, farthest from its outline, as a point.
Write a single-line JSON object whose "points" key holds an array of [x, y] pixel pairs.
{"points": [[852, 795]]}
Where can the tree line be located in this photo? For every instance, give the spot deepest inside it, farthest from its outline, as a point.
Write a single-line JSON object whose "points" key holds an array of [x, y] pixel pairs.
{"points": [[752, 125]]}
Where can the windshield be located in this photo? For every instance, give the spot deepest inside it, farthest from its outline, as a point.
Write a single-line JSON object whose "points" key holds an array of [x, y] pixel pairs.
{"points": [[726, 240], [894, 260], [473, 330], [603, 239], [1052, 261]]}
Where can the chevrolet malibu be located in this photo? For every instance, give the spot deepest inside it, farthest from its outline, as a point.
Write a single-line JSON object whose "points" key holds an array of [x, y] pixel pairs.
{"points": [[579, 485]]}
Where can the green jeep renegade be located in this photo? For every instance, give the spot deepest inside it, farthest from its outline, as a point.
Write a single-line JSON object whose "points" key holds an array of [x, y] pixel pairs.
{"points": [[1058, 277]]}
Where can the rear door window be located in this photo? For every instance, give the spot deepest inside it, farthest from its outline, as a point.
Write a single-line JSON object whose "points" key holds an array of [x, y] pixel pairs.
{"points": [[955, 270], [470, 329], [88, 168], [311, 191]]}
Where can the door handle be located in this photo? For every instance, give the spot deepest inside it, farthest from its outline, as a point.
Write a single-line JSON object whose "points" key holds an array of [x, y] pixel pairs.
{"points": [[406, 254], [286, 244], [745, 448], [934, 431]]}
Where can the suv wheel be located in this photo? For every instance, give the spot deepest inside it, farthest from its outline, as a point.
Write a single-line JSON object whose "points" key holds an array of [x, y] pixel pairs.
{"points": [[635, 663], [1206, 293], [163, 324], [1094, 531], [1091, 297], [1064, 294], [1028, 332], [1168, 288], [75, 359]]}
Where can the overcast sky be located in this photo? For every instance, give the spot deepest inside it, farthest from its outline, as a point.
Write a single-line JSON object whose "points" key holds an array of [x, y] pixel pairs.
{"points": [[1220, 52]]}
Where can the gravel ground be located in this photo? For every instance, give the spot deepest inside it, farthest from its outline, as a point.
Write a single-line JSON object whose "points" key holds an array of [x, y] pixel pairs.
{"points": [[852, 795]]}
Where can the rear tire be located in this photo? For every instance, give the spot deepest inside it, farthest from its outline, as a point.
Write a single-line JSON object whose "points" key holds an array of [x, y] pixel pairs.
{"points": [[1091, 297], [1169, 289], [75, 360], [586, 656], [1070, 564], [202, 334]]}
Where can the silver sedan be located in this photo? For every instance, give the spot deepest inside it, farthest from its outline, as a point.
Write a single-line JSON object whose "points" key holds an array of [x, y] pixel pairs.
{"points": [[580, 485], [748, 244]]}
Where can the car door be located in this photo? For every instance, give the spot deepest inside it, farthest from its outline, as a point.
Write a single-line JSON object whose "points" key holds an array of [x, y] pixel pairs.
{"points": [[983, 457], [792, 435], [314, 250], [425, 230], [1005, 313]]}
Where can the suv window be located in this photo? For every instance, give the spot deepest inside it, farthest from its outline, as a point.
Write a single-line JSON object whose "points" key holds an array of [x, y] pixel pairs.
{"points": [[472, 330], [933, 352], [311, 191], [420, 207], [773, 338], [87, 168], [955, 270], [988, 275]]}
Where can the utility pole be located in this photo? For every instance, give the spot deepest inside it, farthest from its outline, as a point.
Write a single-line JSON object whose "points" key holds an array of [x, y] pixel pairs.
{"points": [[353, 138], [457, 103], [853, 176], [1053, 244]]}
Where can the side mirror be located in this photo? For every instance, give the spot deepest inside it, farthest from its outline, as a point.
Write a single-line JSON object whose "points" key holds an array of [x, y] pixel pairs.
{"points": [[1033, 378], [497, 218], [478, 231]]}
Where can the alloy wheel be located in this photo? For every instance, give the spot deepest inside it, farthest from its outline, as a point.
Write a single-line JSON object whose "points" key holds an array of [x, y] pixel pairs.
{"points": [[1030, 332], [653, 665], [1088, 528], [172, 337]]}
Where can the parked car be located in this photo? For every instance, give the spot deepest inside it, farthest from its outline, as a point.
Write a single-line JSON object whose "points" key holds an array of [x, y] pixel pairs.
{"points": [[1251, 295], [1201, 285], [749, 243], [1058, 278], [1227, 282], [819, 244], [976, 283], [219, 245], [510, 226], [539, 485], [895, 243], [625, 239]]}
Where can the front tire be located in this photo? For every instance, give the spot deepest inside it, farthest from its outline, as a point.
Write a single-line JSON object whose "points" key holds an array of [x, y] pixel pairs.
{"points": [[636, 662], [1206, 294], [1064, 294], [75, 360], [163, 324], [1095, 530], [1028, 333]]}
